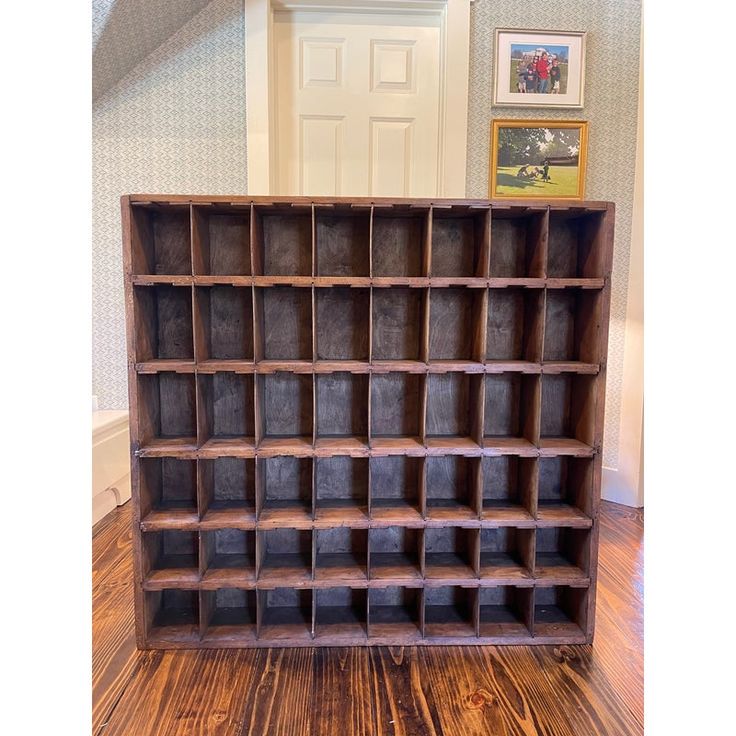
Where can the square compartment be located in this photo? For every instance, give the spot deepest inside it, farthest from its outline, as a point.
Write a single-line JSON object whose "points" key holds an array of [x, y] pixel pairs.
{"points": [[227, 489], [342, 419], [224, 323], [284, 314], [514, 328], [228, 556], [284, 553], [508, 487], [453, 411], [286, 411], [460, 237], [395, 488], [160, 240], [226, 411], [510, 416], [286, 489], [396, 408], [560, 611], [398, 319], [568, 412], [341, 613], [395, 552], [562, 553], [286, 614], [172, 615], [163, 323], [450, 552], [283, 241], [506, 553], [342, 323], [167, 410], [221, 241], [394, 612], [517, 244], [399, 242], [343, 241], [505, 611], [171, 554], [450, 611], [455, 318], [167, 485], [453, 487], [341, 488], [341, 554], [576, 245], [228, 614], [571, 325], [565, 488]]}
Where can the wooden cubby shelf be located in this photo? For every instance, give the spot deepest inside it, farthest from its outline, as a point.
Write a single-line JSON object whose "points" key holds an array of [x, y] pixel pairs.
{"points": [[365, 421]]}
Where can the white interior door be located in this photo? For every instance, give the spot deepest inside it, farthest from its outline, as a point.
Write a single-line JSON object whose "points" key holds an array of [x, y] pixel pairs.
{"points": [[357, 104]]}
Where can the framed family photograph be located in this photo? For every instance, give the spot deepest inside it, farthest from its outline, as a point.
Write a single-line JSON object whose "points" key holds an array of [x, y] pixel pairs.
{"points": [[539, 68], [538, 159]]}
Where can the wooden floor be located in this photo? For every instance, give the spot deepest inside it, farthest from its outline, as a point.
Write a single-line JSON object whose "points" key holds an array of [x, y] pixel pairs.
{"points": [[443, 691]]}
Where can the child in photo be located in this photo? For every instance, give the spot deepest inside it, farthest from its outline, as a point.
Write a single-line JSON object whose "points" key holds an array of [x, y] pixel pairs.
{"points": [[555, 74]]}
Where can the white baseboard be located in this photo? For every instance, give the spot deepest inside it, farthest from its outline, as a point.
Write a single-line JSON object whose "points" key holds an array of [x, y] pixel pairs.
{"points": [[615, 488]]}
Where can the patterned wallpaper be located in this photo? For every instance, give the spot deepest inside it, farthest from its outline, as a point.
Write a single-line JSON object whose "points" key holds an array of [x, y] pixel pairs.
{"points": [[176, 123]]}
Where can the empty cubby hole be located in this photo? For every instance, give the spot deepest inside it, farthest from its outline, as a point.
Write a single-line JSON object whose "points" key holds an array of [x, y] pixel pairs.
{"points": [[286, 407], [505, 611], [221, 241], [508, 486], [398, 316], [227, 483], [576, 245], [396, 405], [172, 614], [395, 552], [449, 611], [224, 323], [399, 242], [167, 484], [342, 399], [342, 323], [569, 407], [167, 408], [343, 242], [228, 612], [455, 321], [571, 325], [394, 611], [511, 401], [229, 549], [517, 244], [460, 242], [283, 241], [560, 610], [395, 486], [284, 314], [285, 553], [565, 485], [226, 407], [170, 549], [340, 553], [514, 327], [453, 487], [341, 612], [562, 551], [163, 323], [450, 552], [453, 405], [286, 488], [506, 552], [160, 240], [285, 613], [341, 486]]}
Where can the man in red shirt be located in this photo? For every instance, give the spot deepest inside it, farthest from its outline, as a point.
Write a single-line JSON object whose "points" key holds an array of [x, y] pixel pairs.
{"points": [[543, 73]]}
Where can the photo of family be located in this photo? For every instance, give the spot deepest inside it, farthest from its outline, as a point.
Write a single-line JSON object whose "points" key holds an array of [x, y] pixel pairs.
{"points": [[539, 69]]}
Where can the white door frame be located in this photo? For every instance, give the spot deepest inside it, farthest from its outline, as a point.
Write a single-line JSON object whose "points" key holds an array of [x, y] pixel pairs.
{"points": [[454, 61]]}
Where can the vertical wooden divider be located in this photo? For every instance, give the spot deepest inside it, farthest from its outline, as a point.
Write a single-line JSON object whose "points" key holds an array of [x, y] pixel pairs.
{"points": [[475, 551], [529, 482], [256, 242], [477, 481], [423, 487], [475, 594], [200, 240], [422, 607], [205, 611], [260, 606], [422, 550], [313, 627], [537, 265], [527, 596], [477, 407], [260, 483], [484, 261]]}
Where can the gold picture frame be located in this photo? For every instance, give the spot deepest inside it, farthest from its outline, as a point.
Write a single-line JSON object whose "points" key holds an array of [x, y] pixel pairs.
{"points": [[548, 162]]}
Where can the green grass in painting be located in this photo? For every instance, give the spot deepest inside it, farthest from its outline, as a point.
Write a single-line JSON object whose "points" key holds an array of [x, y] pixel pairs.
{"points": [[563, 183]]}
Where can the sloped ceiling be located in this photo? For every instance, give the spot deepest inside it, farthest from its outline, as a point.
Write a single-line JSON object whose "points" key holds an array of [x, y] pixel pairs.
{"points": [[124, 32]]}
